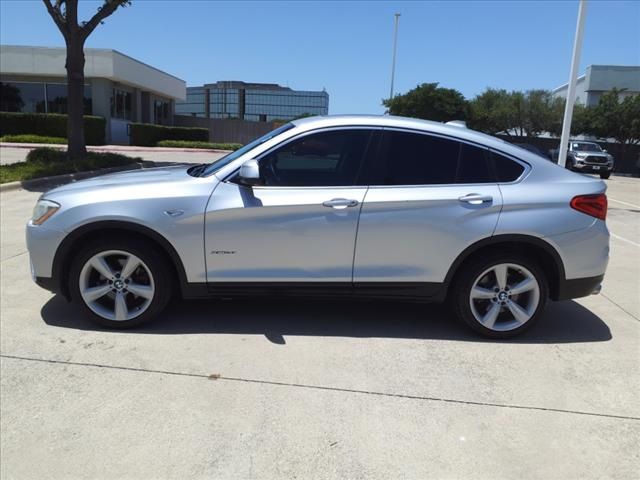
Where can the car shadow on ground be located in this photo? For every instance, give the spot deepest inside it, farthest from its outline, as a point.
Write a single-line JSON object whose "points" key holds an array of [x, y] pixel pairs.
{"points": [[562, 322]]}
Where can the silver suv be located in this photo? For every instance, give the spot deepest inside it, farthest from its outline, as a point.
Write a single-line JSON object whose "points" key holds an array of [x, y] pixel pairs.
{"points": [[589, 157], [368, 206]]}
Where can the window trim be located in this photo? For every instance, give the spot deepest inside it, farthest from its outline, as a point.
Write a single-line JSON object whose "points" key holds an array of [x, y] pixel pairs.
{"points": [[487, 150], [368, 151]]}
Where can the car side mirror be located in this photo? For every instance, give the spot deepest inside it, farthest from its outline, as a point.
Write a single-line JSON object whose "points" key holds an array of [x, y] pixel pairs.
{"points": [[605, 151], [250, 173]]}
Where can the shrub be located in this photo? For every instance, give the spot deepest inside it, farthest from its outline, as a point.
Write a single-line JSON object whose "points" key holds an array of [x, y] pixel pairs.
{"points": [[207, 145], [50, 125], [33, 139], [148, 135], [45, 162]]}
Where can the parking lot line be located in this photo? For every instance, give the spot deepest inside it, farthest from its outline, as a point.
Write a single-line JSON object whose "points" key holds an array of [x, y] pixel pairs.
{"points": [[622, 239], [624, 203]]}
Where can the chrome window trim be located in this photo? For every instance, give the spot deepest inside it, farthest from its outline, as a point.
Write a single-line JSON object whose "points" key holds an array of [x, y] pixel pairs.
{"points": [[525, 165]]}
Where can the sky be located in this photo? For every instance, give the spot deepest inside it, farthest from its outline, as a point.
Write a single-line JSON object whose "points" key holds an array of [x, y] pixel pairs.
{"points": [[346, 47]]}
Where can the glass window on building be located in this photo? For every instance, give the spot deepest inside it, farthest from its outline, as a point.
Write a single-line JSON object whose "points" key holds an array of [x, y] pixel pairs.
{"points": [[39, 98], [23, 97], [121, 104], [161, 112]]}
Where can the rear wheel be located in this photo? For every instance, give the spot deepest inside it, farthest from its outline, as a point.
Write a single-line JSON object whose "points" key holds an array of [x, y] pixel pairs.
{"points": [[500, 296], [120, 283]]}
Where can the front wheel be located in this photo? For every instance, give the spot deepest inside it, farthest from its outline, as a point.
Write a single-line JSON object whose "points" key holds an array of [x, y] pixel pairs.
{"points": [[605, 175], [120, 283], [500, 296]]}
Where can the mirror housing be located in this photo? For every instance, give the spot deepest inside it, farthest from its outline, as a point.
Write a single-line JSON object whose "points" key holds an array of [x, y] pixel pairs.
{"points": [[250, 173]]}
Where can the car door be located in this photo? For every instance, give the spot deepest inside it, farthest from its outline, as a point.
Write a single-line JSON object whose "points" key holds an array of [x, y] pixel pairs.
{"points": [[300, 225], [430, 197]]}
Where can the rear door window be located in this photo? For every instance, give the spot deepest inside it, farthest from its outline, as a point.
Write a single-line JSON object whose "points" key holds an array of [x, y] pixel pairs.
{"points": [[408, 158], [506, 170]]}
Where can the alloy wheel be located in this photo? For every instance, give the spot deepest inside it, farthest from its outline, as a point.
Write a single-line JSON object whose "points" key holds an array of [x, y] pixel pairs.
{"points": [[504, 297], [116, 285]]}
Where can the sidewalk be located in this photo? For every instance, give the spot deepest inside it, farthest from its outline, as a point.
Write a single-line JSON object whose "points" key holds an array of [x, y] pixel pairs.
{"points": [[17, 152]]}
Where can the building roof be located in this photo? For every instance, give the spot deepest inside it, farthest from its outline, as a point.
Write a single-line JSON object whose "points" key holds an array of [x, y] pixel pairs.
{"points": [[99, 63], [605, 77]]}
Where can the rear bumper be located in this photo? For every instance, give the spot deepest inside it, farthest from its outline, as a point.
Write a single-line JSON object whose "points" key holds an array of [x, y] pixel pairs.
{"points": [[579, 287]]}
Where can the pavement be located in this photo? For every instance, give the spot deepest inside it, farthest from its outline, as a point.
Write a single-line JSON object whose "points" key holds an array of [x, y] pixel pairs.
{"points": [[320, 389], [14, 153]]}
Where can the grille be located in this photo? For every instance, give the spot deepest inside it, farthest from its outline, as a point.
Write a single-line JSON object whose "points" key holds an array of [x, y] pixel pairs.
{"points": [[593, 159]]}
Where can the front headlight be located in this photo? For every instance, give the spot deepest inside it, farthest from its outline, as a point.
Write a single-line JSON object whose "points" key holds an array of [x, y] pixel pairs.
{"points": [[43, 210]]}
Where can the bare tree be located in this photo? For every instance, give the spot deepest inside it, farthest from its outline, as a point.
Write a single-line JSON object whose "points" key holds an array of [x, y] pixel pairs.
{"points": [[65, 15]]}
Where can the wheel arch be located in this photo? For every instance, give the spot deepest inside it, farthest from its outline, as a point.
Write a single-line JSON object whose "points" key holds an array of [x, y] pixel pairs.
{"points": [[542, 251], [64, 254]]}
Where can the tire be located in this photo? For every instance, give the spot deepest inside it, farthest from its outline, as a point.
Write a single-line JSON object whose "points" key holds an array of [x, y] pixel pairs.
{"points": [[605, 175], [481, 272], [115, 304]]}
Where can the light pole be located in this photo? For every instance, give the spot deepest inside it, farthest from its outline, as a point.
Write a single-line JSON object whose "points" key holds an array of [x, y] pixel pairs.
{"points": [[395, 43], [571, 88]]}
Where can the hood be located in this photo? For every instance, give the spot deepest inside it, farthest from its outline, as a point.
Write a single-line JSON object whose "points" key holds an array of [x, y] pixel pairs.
{"points": [[138, 178]]}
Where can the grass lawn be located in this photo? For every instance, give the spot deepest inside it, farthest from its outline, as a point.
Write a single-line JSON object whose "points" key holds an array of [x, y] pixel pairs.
{"points": [[33, 139], [45, 162]]}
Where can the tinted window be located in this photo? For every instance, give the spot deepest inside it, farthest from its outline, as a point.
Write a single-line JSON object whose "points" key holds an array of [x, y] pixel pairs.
{"points": [[320, 159], [413, 159], [506, 169], [417, 159], [473, 166]]}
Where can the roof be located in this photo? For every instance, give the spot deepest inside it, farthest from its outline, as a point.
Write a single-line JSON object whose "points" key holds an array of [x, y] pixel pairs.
{"points": [[99, 63], [402, 122]]}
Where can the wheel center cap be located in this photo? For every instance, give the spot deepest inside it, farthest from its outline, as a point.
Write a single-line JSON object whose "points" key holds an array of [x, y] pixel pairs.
{"points": [[502, 296], [118, 284]]}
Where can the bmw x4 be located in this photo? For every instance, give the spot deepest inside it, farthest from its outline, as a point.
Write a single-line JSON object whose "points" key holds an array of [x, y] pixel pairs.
{"points": [[342, 206]]}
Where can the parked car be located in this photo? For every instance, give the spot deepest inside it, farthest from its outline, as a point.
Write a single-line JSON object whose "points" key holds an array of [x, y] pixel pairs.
{"points": [[587, 157], [377, 207], [533, 149]]}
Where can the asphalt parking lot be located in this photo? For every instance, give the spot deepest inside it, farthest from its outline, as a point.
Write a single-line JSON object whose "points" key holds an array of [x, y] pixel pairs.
{"points": [[316, 389]]}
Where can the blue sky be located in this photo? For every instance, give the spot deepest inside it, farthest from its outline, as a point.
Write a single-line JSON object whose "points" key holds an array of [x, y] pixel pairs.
{"points": [[346, 47]]}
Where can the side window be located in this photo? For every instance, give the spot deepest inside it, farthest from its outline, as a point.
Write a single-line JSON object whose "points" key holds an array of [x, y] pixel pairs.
{"points": [[416, 159], [506, 169], [321, 159], [473, 166]]}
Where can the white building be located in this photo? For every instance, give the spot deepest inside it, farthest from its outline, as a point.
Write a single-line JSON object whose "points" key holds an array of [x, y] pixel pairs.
{"points": [[603, 78], [118, 88]]}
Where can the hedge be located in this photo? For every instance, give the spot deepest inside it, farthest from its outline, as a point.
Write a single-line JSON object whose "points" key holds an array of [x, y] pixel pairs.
{"points": [[196, 145], [50, 125], [148, 135]]}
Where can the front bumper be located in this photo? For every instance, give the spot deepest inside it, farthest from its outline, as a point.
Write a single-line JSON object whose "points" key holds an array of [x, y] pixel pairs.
{"points": [[42, 243], [593, 168]]}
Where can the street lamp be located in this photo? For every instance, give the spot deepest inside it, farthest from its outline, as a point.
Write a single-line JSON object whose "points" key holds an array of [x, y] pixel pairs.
{"points": [[571, 88], [395, 43]]}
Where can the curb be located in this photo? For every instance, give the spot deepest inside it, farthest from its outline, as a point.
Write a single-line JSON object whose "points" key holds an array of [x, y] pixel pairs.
{"points": [[71, 177], [113, 148]]}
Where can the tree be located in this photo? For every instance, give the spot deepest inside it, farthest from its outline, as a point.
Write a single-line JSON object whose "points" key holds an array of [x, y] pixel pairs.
{"points": [[65, 15], [429, 102], [616, 119], [492, 112]]}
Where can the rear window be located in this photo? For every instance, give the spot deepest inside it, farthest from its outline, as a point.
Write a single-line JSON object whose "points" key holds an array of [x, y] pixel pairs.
{"points": [[506, 170]]}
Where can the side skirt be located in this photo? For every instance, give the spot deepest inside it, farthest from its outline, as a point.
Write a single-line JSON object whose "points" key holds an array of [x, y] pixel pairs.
{"points": [[427, 292]]}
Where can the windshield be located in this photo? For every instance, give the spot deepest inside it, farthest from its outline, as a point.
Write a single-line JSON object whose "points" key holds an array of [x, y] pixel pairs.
{"points": [[227, 159], [586, 147]]}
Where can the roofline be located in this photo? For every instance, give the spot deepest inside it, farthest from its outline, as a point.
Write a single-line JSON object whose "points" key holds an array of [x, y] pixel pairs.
{"points": [[566, 85], [111, 50]]}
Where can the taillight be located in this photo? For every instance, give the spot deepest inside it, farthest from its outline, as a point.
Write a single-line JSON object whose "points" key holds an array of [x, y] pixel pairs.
{"points": [[594, 205]]}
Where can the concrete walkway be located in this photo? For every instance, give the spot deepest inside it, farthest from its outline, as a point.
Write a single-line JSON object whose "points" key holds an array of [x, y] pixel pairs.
{"points": [[17, 152]]}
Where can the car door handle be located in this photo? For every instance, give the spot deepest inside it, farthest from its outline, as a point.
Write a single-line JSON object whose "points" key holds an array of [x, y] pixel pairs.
{"points": [[476, 199], [340, 203]]}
